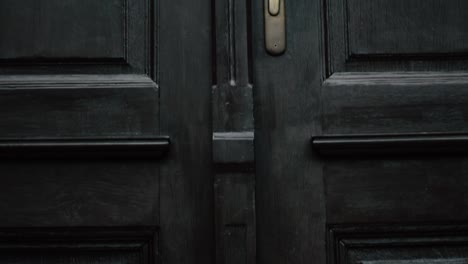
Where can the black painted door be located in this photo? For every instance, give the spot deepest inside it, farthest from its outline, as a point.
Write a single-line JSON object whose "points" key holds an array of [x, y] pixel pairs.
{"points": [[361, 133], [162, 131], [105, 152]]}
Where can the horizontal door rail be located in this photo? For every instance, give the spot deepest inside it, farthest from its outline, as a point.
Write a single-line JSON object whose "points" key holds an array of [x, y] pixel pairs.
{"points": [[423, 144], [151, 148]]}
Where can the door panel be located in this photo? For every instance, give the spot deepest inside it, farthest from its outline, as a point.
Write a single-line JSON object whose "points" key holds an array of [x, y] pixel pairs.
{"points": [[406, 28], [369, 36], [93, 94], [72, 193], [79, 245], [78, 105], [114, 36], [63, 29], [403, 102], [390, 190], [379, 89], [403, 244], [103, 158]]}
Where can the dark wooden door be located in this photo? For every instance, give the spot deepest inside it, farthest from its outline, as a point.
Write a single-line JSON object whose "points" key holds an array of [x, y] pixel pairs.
{"points": [[103, 157], [361, 133], [162, 131]]}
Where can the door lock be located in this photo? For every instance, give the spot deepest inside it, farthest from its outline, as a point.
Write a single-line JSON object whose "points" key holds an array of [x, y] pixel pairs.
{"points": [[275, 26]]}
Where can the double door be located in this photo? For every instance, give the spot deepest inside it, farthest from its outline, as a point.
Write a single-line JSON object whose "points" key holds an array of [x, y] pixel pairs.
{"points": [[226, 131]]}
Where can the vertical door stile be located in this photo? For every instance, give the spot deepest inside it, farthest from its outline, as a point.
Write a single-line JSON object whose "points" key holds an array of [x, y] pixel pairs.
{"points": [[233, 135]]}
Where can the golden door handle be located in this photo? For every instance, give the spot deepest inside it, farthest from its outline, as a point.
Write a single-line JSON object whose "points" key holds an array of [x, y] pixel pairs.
{"points": [[275, 26]]}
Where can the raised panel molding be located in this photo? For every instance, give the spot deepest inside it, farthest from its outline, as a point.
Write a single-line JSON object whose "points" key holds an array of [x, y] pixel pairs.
{"points": [[114, 36], [83, 106], [231, 149], [151, 148], [382, 103], [79, 245], [63, 29], [406, 28], [60, 88], [420, 261], [398, 244], [370, 145], [378, 36]]}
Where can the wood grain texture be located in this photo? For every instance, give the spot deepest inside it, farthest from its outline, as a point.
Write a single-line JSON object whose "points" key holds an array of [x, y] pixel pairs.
{"points": [[53, 106], [74, 192], [62, 29], [235, 216], [75, 84], [401, 27], [185, 78], [392, 68], [391, 244], [233, 133], [385, 36], [235, 250], [289, 187], [396, 189], [56, 84], [78, 245], [395, 102], [64, 37], [234, 162], [234, 148], [232, 90]]}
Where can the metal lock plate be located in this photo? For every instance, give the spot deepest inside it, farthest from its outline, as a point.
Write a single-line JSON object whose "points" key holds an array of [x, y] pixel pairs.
{"points": [[275, 26]]}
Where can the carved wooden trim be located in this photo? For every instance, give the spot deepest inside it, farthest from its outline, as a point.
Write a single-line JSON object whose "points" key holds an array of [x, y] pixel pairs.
{"points": [[139, 36], [139, 242], [233, 148], [342, 240], [78, 106], [397, 78], [75, 81], [339, 56], [153, 148], [423, 143]]}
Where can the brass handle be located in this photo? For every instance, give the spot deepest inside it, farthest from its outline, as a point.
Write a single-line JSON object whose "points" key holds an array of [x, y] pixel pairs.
{"points": [[275, 26], [274, 7]]}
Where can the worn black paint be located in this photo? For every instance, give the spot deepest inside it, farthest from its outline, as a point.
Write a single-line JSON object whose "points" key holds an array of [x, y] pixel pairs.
{"points": [[78, 245], [240, 182], [391, 244], [233, 133], [290, 198], [92, 82], [361, 79]]}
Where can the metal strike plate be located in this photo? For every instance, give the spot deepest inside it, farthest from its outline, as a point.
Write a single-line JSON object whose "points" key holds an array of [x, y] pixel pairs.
{"points": [[275, 26]]}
